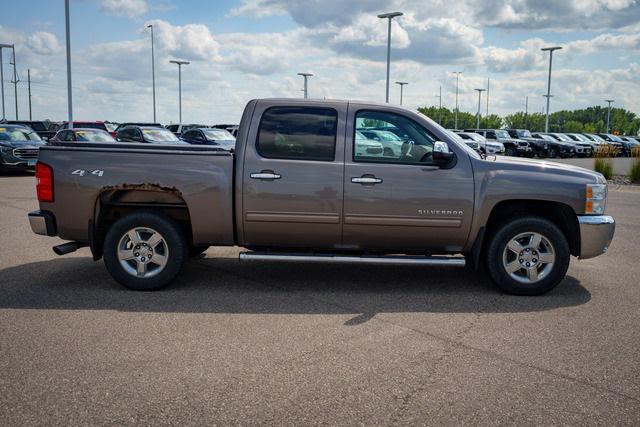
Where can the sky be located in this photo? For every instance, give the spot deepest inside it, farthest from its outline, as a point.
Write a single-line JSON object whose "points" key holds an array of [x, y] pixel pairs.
{"points": [[245, 49]]}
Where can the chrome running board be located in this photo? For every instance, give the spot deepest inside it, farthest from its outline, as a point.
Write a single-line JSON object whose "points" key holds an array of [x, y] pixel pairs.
{"points": [[453, 261]]}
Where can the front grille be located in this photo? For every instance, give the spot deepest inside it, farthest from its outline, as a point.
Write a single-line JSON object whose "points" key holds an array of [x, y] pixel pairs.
{"points": [[26, 153]]}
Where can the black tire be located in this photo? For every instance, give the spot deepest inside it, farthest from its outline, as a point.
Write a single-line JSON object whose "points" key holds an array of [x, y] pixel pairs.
{"points": [[177, 250], [194, 251], [497, 245], [510, 151]]}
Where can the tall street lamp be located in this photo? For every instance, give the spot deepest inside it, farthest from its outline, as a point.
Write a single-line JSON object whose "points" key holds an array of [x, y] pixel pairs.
{"points": [[306, 76], [609, 102], [479, 97], [457, 73], [8, 46], [548, 95], [180, 64], [389, 16], [68, 36], [401, 89], [153, 73], [15, 77]]}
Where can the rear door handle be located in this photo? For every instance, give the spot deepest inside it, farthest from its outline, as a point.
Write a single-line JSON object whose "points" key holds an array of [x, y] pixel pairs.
{"points": [[366, 179], [268, 175]]}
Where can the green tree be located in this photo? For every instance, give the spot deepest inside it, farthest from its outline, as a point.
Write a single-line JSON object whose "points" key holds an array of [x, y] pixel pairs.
{"points": [[532, 121], [493, 121], [590, 119], [573, 126]]}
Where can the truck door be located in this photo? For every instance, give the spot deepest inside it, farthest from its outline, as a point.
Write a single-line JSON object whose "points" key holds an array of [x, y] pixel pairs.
{"points": [[399, 199], [292, 175]]}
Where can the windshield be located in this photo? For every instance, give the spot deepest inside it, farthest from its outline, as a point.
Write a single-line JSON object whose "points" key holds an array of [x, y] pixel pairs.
{"points": [[111, 127], [562, 137], [18, 135], [502, 134], [95, 136], [523, 134], [615, 138], [462, 144], [218, 135], [159, 135], [477, 137]]}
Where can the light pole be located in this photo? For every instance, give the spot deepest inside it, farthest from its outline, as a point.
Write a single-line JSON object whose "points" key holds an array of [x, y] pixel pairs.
{"points": [[29, 89], [305, 90], [15, 79], [180, 64], [526, 111], [548, 95], [9, 46], [68, 35], [439, 96], [609, 102], [389, 16], [153, 73], [479, 97], [401, 89], [488, 81], [457, 73]]}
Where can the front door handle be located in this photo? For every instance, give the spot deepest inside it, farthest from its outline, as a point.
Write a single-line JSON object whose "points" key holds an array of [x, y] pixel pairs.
{"points": [[366, 179], [267, 175]]}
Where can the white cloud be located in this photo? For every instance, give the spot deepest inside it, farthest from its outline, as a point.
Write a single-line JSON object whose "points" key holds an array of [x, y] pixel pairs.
{"points": [[191, 41], [43, 43], [628, 42], [128, 8]]}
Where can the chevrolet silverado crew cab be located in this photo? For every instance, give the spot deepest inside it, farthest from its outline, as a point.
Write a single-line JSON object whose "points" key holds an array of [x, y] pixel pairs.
{"points": [[298, 188]]}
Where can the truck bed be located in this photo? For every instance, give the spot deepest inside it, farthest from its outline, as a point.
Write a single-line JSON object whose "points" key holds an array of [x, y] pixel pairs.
{"points": [[90, 177]]}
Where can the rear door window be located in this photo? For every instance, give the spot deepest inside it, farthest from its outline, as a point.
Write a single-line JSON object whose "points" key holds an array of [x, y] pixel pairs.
{"points": [[298, 133]]}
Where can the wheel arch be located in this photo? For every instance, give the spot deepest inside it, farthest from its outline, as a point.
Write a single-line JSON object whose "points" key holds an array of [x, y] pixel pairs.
{"points": [[111, 204], [562, 215]]}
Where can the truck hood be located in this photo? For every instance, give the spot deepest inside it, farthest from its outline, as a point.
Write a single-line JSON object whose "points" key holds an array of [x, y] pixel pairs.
{"points": [[22, 144], [560, 169]]}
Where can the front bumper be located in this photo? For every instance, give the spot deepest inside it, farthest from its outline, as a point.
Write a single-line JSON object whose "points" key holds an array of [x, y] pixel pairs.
{"points": [[43, 223], [525, 151], [596, 233], [18, 158]]}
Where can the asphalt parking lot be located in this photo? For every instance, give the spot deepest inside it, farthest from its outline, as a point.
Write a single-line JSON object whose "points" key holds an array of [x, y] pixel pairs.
{"points": [[308, 344]]}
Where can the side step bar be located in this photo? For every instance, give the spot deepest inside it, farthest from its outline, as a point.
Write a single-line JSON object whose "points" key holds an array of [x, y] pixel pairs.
{"points": [[457, 261]]}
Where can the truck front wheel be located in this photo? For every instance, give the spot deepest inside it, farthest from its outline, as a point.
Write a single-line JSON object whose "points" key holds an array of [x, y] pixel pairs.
{"points": [[144, 251], [528, 256]]}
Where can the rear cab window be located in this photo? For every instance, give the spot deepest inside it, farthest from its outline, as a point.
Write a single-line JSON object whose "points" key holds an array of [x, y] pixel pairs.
{"points": [[298, 133]]}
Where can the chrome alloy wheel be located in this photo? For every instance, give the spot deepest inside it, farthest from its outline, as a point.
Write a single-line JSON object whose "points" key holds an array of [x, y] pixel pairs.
{"points": [[143, 252], [528, 257]]}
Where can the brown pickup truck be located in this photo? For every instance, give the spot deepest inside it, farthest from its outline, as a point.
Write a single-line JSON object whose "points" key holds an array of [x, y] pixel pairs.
{"points": [[322, 181]]}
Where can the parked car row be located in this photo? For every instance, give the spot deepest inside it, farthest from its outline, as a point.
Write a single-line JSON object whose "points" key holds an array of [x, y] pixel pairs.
{"points": [[20, 140], [523, 143]]}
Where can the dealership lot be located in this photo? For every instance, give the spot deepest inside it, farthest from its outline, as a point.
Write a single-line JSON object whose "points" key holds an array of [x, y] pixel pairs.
{"points": [[286, 343]]}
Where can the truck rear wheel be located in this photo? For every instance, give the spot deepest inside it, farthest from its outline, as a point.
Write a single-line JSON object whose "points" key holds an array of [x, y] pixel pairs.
{"points": [[528, 256], [144, 251]]}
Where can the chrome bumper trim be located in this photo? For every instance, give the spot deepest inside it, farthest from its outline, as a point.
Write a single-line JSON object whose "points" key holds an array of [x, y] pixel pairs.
{"points": [[596, 233]]}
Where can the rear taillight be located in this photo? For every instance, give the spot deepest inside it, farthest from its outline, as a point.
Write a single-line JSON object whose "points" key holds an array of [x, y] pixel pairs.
{"points": [[44, 186]]}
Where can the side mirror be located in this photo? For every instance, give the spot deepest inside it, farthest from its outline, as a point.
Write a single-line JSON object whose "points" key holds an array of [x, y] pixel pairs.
{"points": [[441, 154], [45, 138]]}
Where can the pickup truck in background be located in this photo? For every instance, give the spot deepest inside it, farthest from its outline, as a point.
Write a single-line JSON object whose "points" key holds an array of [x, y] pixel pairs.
{"points": [[298, 188]]}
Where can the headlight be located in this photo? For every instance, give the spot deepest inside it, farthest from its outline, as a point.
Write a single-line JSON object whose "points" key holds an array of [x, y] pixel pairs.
{"points": [[595, 199]]}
